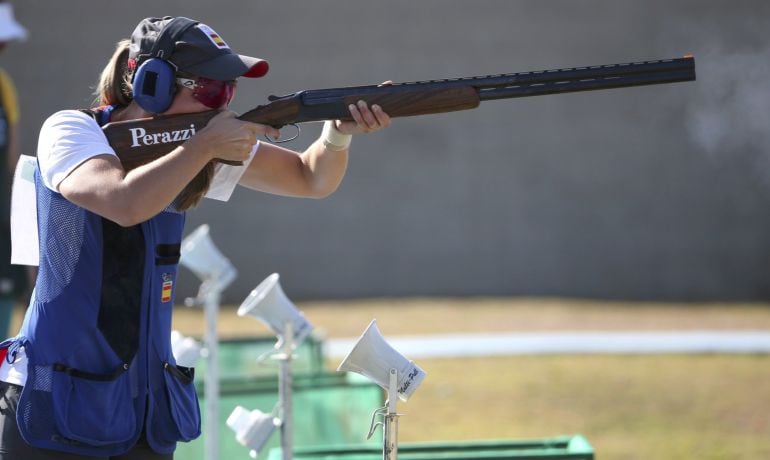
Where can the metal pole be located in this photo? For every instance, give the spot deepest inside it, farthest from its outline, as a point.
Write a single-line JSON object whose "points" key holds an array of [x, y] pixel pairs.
{"points": [[390, 427], [284, 392], [211, 379]]}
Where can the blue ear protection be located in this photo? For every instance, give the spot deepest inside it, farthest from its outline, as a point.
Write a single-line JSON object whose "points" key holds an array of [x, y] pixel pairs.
{"points": [[155, 79]]}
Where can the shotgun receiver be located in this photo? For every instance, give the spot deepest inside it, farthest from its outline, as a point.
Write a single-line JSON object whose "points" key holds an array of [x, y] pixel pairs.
{"points": [[140, 141]]}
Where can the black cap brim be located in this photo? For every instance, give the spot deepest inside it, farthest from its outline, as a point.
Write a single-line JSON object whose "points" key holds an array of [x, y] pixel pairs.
{"points": [[229, 67]]}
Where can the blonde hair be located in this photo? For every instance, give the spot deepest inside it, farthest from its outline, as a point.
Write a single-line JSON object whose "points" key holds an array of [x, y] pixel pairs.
{"points": [[194, 192], [114, 88], [114, 85]]}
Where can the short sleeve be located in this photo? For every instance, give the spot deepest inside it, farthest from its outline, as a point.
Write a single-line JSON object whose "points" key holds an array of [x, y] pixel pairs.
{"points": [[67, 139]]}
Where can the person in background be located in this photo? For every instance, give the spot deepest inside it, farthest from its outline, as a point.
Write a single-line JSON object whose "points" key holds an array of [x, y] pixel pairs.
{"points": [[91, 373], [13, 278]]}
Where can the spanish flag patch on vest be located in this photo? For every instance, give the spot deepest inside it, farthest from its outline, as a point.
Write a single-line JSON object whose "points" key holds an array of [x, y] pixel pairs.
{"points": [[166, 287]]}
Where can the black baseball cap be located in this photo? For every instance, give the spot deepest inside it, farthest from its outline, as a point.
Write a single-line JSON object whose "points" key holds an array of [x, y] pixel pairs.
{"points": [[197, 50]]}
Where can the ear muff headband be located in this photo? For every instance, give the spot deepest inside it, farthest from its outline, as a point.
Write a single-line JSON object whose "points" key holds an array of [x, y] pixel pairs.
{"points": [[154, 80]]}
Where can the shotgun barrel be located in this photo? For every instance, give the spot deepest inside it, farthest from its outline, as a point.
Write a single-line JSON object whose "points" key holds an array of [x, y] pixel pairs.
{"points": [[449, 95]]}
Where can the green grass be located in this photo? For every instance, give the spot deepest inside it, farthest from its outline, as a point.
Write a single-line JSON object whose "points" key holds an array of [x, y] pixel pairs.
{"points": [[628, 407]]}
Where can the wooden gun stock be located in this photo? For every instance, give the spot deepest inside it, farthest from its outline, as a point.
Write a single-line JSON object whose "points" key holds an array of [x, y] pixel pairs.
{"points": [[141, 141]]}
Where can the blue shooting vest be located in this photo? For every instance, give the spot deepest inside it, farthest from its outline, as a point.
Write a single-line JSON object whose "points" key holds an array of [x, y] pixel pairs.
{"points": [[97, 334]]}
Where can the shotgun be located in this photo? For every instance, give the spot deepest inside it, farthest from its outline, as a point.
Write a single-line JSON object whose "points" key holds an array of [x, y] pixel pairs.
{"points": [[137, 142]]}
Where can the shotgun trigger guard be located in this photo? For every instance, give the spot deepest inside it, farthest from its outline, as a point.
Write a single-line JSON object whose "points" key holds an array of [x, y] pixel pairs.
{"points": [[276, 141]]}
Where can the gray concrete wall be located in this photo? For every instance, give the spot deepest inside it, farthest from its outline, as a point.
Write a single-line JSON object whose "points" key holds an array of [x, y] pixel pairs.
{"points": [[643, 193]]}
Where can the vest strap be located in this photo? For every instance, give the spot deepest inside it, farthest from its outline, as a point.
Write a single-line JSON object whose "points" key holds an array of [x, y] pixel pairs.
{"points": [[71, 371]]}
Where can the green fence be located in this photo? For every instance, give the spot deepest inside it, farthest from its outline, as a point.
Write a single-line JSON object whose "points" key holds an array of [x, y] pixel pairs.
{"points": [[328, 409], [574, 447], [241, 358], [332, 413]]}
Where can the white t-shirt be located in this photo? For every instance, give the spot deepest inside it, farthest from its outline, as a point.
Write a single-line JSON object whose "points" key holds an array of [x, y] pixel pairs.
{"points": [[67, 139]]}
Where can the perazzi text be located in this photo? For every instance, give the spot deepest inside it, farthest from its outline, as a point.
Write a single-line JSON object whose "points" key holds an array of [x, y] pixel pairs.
{"points": [[139, 136]]}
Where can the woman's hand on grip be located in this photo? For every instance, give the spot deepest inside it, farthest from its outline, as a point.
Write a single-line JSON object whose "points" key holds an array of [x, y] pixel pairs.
{"points": [[228, 138]]}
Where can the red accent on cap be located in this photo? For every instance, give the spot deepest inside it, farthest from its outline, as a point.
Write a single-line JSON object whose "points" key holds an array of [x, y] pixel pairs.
{"points": [[258, 70]]}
